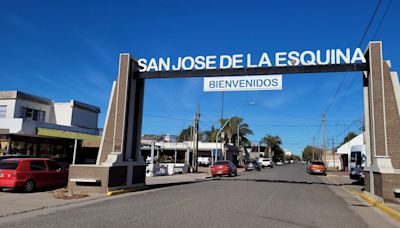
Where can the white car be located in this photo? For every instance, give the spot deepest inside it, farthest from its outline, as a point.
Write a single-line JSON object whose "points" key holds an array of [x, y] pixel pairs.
{"points": [[204, 161], [265, 162], [279, 163]]}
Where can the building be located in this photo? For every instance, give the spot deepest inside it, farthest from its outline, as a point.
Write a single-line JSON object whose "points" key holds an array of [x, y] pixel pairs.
{"points": [[344, 150], [333, 161], [39, 127]]}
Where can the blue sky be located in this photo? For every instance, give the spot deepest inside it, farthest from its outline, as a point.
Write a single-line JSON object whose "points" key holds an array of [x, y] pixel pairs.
{"points": [[69, 50]]}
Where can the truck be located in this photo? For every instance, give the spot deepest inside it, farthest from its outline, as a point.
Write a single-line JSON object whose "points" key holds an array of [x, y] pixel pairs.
{"points": [[358, 157]]}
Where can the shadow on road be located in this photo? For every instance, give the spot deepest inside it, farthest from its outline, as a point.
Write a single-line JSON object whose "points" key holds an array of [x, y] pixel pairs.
{"points": [[280, 181], [164, 185]]}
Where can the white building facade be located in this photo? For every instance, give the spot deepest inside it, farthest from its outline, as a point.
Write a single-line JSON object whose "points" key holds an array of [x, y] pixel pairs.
{"points": [[39, 127]]}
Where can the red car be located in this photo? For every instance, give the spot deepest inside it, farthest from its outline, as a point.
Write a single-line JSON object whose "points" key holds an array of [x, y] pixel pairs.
{"points": [[31, 173], [224, 167]]}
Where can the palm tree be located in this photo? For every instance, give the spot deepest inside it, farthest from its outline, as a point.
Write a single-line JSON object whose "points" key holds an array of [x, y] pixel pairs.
{"points": [[211, 134], [232, 127], [273, 142], [185, 135]]}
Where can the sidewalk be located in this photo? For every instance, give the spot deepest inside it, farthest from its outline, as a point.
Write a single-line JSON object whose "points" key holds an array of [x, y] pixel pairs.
{"points": [[342, 178], [13, 202]]}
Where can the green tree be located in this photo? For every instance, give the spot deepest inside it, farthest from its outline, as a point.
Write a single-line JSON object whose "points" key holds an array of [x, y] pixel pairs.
{"points": [[231, 129], [185, 135], [349, 137], [274, 142], [308, 153], [210, 135]]}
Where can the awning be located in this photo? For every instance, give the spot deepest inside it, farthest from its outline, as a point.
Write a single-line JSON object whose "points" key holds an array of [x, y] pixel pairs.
{"points": [[67, 134]]}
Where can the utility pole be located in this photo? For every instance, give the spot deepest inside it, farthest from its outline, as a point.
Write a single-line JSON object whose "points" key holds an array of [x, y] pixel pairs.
{"points": [[313, 148], [323, 139], [222, 107], [196, 138], [237, 137], [238, 143], [333, 152]]}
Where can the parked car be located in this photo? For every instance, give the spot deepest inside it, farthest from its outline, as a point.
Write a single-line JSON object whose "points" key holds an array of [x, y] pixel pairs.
{"points": [[30, 174], [224, 167], [253, 165], [204, 161], [317, 167], [265, 162], [279, 163]]}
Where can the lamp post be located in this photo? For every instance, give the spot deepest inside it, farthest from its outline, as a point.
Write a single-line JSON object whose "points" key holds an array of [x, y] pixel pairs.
{"points": [[223, 126]]}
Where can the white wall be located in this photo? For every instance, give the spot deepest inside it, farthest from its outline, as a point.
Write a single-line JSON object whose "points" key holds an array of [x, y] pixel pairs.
{"points": [[345, 148], [10, 107], [14, 126], [62, 114]]}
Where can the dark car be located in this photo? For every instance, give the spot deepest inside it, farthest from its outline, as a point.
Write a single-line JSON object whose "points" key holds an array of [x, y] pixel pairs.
{"points": [[31, 173], [253, 165]]}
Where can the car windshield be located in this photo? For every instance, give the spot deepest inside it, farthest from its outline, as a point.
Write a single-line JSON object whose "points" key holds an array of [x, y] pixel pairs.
{"points": [[317, 163], [221, 163], [10, 165]]}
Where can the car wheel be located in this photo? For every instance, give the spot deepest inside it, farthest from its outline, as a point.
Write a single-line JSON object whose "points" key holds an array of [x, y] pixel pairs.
{"points": [[1, 189], [29, 186], [230, 173], [220, 175], [214, 175], [235, 173], [263, 167]]}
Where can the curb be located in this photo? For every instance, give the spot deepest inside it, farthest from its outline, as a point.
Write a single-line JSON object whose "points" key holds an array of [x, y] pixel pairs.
{"points": [[389, 211], [122, 191]]}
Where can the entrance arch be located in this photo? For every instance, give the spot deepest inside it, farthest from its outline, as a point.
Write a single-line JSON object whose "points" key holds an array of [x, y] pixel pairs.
{"points": [[120, 165]]}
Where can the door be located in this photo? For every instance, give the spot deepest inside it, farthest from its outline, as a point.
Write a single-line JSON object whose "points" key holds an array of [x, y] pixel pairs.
{"points": [[39, 173], [57, 176]]}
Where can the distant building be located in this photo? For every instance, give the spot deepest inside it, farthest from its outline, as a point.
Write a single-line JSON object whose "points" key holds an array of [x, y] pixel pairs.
{"points": [[160, 138], [39, 127]]}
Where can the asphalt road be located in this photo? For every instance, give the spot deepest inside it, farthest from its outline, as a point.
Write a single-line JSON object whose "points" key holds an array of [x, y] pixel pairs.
{"points": [[280, 197]]}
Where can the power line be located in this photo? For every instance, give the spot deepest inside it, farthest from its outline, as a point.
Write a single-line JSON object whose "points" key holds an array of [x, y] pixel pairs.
{"points": [[370, 22], [382, 19], [359, 44]]}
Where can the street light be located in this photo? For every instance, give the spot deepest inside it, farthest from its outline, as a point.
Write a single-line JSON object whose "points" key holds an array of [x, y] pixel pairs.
{"points": [[222, 128]]}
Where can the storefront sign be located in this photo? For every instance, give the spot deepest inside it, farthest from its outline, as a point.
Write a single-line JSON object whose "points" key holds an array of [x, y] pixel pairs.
{"points": [[243, 83], [279, 59]]}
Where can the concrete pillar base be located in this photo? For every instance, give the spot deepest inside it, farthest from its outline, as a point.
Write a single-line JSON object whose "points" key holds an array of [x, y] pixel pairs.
{"points": [[385, 185]]}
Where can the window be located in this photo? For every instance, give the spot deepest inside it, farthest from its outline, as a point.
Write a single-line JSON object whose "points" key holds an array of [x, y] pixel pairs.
{"points": [[53, 166], [3, 111], [9, 165], [37, 166], [32, 114]]}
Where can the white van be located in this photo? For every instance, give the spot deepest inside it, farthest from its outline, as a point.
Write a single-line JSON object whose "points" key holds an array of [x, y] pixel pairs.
{"points": [[358, 156]]}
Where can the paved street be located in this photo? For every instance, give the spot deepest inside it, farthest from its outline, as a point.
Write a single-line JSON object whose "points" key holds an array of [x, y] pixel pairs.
{"points": [[280, 197]]}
